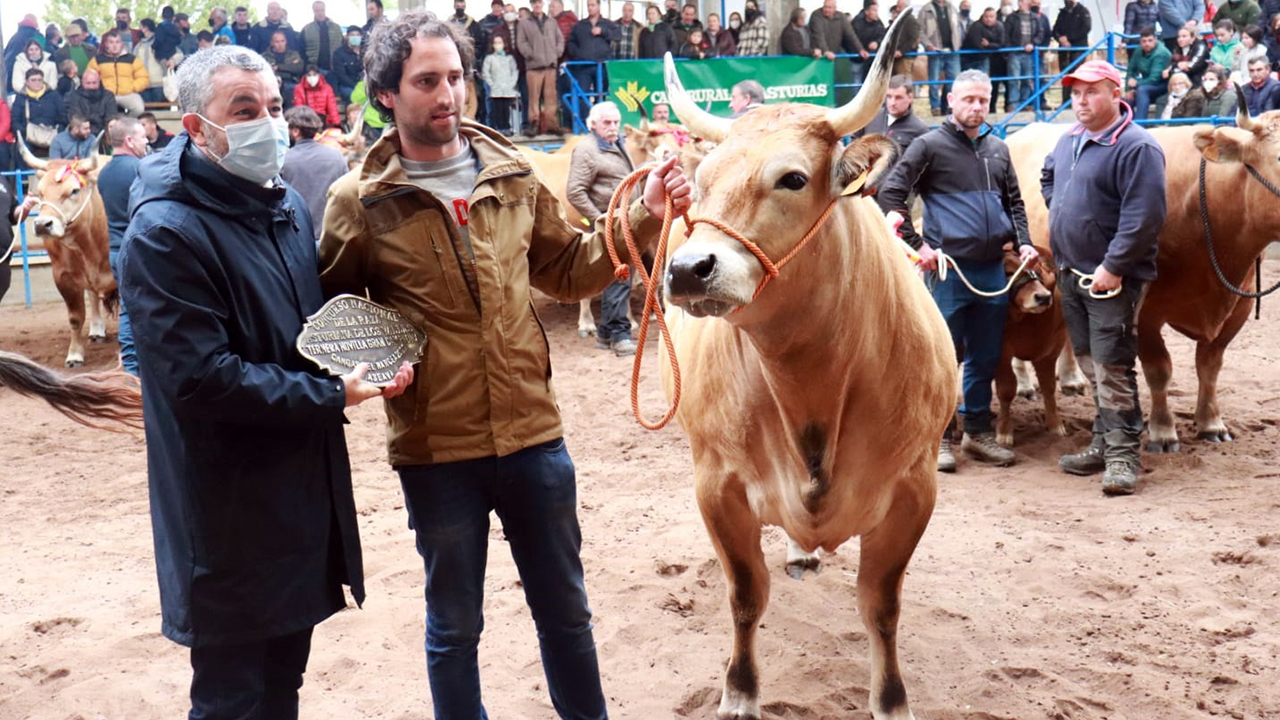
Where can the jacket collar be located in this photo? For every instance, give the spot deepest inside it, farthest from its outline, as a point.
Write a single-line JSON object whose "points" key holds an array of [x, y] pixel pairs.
{"points": [[951, 128], [382, 172], [1112, 134]]}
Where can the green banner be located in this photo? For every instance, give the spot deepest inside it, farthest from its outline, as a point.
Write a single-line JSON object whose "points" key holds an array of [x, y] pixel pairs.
{"points": [[633, 83]]}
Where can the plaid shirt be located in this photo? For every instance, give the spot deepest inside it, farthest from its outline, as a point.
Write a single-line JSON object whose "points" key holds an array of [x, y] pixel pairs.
{"points": [[753, 39], [625, 48]]}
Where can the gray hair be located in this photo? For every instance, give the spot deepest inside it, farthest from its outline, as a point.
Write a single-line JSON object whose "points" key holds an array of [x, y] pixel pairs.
{"points": [[598, 109], [195, 74], [752, 89], [971, 76], [122, 127]]}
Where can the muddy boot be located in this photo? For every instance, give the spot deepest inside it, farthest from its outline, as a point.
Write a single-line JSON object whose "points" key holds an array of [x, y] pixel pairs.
{"points": [[1088, 462], [984, 448], [1121, 478], [946, 458]]}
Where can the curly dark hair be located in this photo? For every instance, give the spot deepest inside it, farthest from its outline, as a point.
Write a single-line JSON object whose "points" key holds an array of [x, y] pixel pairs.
{"points": [[389, 46]]}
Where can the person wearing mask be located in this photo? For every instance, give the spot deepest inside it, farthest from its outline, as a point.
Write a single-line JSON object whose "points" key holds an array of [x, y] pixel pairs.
{"points": [[628, 45], [75, 49], [219, 26], [190, 42], [374, 15], [688, 22], [251, 502], [984, 36], [92, 101], [309, 167], [541, 42], [261, 39], [940, 32], [1022, 31], [489, 439], [597, 167], [316, 93], [1175, 14], [1179, 101], [489, 24], [1219, 96], [1071, 30], [76, 142], [833, 33], [1191, 56], [157, 137], [129, 36], [796, 38], [656, 38], [38, 114], [671, 15], [33, 56], [507, 30], [347, 66], [122, 73], [1144, 81], [503, 76], [1251, 47], [972, 208], [735, 25], [241, 28], [1104, 184], [128, 146], [753, 39], [1262, 92], [870, 30], [286, 63], [476, 99], [28, 29]]}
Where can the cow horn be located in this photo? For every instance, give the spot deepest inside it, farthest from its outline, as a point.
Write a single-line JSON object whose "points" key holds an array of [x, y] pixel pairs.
{"points": [[1243, 121], [699, 121], [858, 112], [89, 163], [644, 119], [32, 161], [350, 138]]}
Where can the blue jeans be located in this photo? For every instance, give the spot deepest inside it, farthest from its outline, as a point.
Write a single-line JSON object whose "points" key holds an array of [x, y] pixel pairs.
{"points": [[124, 331], [535, 495], [614, 325], [250, 681], [1020, 63], [940, 66], [1144, 95], [977, 329]]}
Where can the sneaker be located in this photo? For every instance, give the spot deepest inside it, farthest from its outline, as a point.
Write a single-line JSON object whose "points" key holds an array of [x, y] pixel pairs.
{"points": [[1121, 478], [603, 343], [1088, 462], [623, 348], [984, 448], [946, 458]]}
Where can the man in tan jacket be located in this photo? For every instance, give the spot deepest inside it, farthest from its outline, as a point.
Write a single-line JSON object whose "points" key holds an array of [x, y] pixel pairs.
{"points": [[447, 223], [539, 40]]}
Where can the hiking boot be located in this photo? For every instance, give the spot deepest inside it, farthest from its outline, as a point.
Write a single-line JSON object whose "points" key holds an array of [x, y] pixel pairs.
{"points": [[624, 347], [1088, 462], [946, 458], [1121, 478], [603, 343], [984, 448]]}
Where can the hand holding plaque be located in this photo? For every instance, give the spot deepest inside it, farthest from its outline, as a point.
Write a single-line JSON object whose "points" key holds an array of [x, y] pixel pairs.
{"points": [[349, 331]]}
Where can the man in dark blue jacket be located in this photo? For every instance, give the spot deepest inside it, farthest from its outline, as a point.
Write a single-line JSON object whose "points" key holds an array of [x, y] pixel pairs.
{"points": [[1104, 184], [591, 39], [1262, 92], [128, 144], [972, 207], [251, 505]]}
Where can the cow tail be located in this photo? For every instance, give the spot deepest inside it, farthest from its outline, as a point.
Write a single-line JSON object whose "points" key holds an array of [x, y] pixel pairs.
{"points": [[111, 302], [87, 398]]}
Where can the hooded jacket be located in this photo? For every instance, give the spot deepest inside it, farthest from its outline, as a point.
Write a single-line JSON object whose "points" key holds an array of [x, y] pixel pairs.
{"points": [[251, 505], [320, 98]]}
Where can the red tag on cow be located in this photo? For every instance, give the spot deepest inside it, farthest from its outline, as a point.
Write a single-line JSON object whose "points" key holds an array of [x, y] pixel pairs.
{"points": [[461, 211]]}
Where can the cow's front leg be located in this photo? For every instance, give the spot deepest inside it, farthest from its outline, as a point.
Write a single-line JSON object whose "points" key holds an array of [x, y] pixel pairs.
{"points": [[885, 553], [586, 322], [97, 319], [73, 295], [1046, 372], [1026, 388], [1157, 367], [1209, 424], [799, 560], [735, 532], [1008, 381]]}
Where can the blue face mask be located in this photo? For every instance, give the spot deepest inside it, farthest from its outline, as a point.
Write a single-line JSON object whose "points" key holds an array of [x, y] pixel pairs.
{"points": [[255, 149], [355, 40]]}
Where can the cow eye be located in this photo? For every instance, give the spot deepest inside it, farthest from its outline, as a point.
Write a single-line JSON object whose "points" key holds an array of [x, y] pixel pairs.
{"points": [[75, 192], [793, 181]]}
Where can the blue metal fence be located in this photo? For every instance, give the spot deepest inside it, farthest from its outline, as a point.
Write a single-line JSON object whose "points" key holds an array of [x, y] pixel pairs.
{"points": [[24, 252]]}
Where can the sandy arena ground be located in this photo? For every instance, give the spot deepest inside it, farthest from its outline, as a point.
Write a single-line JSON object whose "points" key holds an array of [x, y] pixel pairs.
{"points": [[1031, 595]]}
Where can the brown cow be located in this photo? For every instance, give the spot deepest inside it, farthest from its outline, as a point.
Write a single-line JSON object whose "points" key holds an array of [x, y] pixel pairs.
{"points": [[73, 225], [816, 403], [1244, 214]]}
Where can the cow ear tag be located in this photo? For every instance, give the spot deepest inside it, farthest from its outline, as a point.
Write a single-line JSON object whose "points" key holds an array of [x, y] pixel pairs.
{"points": [[853, 187]]}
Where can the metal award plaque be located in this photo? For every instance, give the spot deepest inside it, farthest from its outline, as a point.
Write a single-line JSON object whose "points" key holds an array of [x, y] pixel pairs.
{"points": [[350, 330]]}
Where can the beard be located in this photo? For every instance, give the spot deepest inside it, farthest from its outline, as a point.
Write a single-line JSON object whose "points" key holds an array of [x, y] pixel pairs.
{"points": [[427, 133]]}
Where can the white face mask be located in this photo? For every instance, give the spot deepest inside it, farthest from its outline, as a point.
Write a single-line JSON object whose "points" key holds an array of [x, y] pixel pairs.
{"points": [[1210, 85], [510, 17], [255, 149], [313, 80]]}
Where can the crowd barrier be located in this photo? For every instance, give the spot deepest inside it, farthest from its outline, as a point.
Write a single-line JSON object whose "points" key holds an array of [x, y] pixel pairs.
{"points": [[23, 252]]}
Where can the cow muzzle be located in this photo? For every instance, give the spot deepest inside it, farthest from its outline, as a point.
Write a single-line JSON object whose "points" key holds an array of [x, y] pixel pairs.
{"points": [[711, 279], [47, 227]]}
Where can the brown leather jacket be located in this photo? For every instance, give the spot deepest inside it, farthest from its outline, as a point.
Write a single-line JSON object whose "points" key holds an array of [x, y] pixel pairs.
{"points": [[483, 386]]}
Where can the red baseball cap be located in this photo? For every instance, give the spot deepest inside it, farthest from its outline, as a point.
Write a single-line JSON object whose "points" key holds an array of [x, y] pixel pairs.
{"points": [[1093, 71]]}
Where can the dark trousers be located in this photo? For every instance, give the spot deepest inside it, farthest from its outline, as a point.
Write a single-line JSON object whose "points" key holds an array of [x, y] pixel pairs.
{"points": [[1104, 336], [586, 77], [977, 329], [252, 681], [614, 325], [6, 271], [500, 113], [1065, 58], [534, 492]]}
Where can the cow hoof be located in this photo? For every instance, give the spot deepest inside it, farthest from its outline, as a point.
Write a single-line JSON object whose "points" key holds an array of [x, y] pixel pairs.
{"points": [[74, 363], [97, 338], [585, 333], [1060, 430], [1005, 439], [1160, 447], [1216, 436], [1027, 393], [796, 568], [1073, 390]]}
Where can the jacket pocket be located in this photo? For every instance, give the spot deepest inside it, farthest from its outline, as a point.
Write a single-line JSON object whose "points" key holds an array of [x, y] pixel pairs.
{"points": [[546, 344]]}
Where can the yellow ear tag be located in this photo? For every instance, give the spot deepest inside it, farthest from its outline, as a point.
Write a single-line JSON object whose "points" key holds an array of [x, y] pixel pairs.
{"points": [[853, 187]]}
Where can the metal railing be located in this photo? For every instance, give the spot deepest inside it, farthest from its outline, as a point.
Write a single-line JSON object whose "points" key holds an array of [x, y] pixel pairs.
{"points": [[24, 251]]}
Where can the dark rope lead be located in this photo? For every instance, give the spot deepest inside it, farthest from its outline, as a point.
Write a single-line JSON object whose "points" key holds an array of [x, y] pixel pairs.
{"points": [[1213, 255]]}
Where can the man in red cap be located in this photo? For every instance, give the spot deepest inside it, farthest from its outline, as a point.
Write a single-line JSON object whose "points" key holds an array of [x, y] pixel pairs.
{"points": [[1104, 184]]}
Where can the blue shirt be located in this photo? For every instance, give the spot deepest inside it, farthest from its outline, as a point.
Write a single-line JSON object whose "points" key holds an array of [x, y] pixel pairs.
{"points": [[113, 183], [65, 147]]}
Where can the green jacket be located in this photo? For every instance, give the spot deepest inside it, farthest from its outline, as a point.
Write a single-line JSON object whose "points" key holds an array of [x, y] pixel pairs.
{"points": [[1147, 67], [1243, 13], [371, 116], [311, 42]]}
